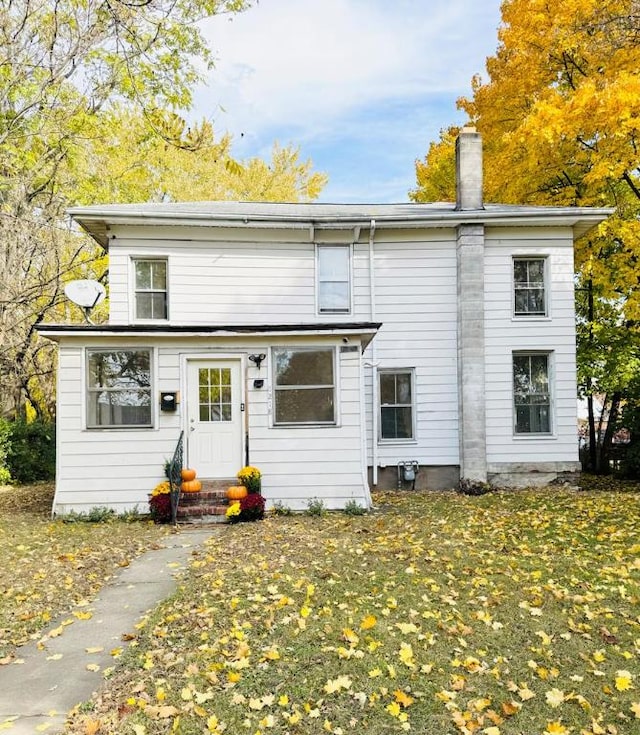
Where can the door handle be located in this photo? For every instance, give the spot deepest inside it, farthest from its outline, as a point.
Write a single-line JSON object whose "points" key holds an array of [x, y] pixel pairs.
{"points": [[192, 428]]}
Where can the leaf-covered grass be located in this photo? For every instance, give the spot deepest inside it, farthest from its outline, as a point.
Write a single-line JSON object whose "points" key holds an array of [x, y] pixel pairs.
{"points": [[50, 568], [510, 613]]}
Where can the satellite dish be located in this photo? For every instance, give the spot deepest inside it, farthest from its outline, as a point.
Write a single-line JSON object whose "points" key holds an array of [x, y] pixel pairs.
{"points": [[85, 293]]}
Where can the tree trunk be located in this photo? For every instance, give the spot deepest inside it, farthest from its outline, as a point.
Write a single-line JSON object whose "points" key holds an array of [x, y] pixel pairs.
{"points": [[607, 440]]}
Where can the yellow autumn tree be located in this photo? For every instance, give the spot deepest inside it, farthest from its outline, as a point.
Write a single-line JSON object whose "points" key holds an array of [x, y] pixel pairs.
{"points": [[560, 119]]}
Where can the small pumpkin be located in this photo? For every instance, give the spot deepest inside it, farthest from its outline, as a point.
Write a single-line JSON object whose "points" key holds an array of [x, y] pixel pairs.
{"points": [[237, 492], [191, 486], [187, 474]]}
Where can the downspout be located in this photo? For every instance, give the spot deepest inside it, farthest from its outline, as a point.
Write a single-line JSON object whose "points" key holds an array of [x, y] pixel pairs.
{"points": [[374, 363], [363, 439]]}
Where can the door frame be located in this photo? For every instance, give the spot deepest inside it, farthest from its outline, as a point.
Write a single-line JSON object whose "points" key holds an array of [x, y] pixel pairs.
{"points": [[190, 357]]}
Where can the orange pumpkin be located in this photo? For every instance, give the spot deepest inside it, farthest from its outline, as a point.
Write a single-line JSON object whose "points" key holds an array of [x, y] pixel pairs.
{"points": [[237, 492], [191, 486], [187, 474]]}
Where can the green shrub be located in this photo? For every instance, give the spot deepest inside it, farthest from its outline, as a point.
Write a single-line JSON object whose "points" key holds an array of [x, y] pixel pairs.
{"points": [[353, 508], [31, 452], [97, 514], [280, 509], [315, 507]]}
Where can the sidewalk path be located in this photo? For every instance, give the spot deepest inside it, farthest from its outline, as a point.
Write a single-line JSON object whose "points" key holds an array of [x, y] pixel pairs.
{"points": [[37, 693]]}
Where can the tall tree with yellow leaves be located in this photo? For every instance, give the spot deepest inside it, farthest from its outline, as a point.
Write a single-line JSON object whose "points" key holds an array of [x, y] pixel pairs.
{"points": [[560, 119], [89, 98]]}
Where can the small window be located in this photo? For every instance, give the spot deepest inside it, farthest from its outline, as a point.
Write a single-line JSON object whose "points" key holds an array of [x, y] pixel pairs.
{"points": [[150, 289], [529, 287], [304, 386], [334, 279], [531, 394], [214, 394], [118, 388], [396, 404]]}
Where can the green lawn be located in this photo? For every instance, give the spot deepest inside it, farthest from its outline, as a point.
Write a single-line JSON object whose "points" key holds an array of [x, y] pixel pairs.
{"points": [[50, 568], [511, 613]]}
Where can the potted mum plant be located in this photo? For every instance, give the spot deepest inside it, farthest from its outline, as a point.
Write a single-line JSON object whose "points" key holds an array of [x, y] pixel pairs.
{"points": [[251, 478], [160, 503]]}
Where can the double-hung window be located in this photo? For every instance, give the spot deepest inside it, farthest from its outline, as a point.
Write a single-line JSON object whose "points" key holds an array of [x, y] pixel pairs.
{"points": [[530, 298], [150, 288], [532, 393], [304, 385], [119, 388], [396, 404], [333, 270]]}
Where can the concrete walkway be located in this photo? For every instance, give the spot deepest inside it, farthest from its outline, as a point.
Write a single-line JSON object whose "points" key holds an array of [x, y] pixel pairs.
{"points": [[45, 682]]}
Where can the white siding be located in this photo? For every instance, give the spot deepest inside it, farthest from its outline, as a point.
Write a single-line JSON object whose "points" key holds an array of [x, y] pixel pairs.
{"points": [[267, 280], [415, 299], [554, 334], [119, 467]]}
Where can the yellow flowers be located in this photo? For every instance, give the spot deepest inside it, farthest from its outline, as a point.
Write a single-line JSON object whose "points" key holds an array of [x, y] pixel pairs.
{"points": [[163, 488], [250, 477], [233, 510]]}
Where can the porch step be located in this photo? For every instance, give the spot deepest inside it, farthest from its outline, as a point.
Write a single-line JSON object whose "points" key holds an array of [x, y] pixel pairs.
{"points": [[217, 485], [207, 506], [214, 497]]}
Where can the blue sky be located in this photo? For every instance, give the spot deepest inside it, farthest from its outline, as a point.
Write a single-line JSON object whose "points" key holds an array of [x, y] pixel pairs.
{"points": [[361, 86]]}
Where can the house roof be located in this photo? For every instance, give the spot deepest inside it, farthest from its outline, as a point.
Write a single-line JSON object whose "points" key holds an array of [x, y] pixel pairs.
{"points": [[364, 330], [96, 219]]}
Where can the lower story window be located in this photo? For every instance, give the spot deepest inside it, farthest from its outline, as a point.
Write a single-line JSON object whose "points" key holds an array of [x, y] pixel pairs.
{"points": [[304, 386], [531, 393], [118, 388], [396, 404]]}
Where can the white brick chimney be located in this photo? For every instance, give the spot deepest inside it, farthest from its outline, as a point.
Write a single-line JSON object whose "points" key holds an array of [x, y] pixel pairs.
{"points": [[469, 170]]}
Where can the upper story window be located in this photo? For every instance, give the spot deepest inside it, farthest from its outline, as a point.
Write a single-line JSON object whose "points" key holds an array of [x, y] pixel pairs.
{"points": [[531, 393], [304, 385], [334, 279], [150, 289], [118, 388], [529, 277], [396, 404]]}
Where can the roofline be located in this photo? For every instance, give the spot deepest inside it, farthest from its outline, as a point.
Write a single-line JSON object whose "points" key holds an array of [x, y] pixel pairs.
{"points": [[95, 220], [55, 332]]}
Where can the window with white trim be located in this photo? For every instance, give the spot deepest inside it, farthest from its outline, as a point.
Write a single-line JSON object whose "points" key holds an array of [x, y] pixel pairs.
{"points": [[529, 281], [119, 388], [333, 268], [531, 393], [304, 385], [396, 404], [150, 288]]}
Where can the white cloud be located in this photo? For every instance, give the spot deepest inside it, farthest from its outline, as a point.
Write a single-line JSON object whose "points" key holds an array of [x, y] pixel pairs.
{"points": [[314, 71]]}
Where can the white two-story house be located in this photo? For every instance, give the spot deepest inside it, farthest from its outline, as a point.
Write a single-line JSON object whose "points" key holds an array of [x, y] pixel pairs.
{"points": [[333, 346]]}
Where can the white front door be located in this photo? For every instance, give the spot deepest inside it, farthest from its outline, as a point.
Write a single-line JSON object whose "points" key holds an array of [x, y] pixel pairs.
{"points": [[214, 417]]}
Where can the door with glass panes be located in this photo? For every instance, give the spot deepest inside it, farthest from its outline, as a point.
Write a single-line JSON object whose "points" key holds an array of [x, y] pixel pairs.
{"points": [[214, 418]]}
